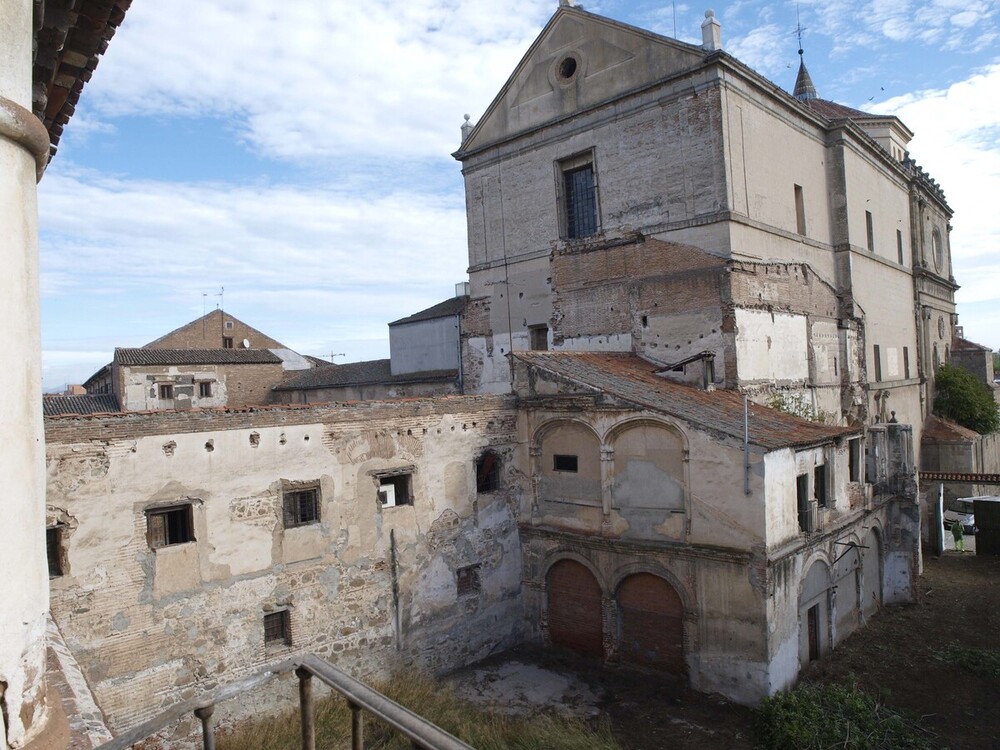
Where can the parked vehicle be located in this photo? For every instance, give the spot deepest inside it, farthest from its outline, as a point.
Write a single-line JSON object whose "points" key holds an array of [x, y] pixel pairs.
{"points": [[961, 510]]}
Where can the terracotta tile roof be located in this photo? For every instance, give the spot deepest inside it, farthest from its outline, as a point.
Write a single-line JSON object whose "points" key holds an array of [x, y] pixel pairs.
{"points": [[833, 111], [936, 428], [369, 372], [959, 344], [444, 309], [104, 403], [142, 356], [69, 40], [634, 380]]}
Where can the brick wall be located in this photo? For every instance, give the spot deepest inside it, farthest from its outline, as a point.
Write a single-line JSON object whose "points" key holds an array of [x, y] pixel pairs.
{"points": [[208, 332]]}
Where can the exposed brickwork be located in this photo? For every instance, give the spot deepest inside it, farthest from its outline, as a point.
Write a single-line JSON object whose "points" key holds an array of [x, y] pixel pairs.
{"points": [[208, 332]]}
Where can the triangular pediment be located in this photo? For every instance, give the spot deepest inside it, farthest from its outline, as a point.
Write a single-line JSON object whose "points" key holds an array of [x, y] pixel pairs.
{"points": [[578, 61]]}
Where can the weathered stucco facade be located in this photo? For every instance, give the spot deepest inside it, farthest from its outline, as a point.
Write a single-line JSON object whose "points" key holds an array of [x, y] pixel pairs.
{"points": [[156, 614]]}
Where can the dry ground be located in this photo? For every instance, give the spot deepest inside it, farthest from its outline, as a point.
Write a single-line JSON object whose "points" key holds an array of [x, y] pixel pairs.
{"points": [[898, 658]]}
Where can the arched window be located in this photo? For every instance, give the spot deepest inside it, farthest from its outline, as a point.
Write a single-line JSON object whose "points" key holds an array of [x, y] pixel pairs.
{"points": [[488, 472]]}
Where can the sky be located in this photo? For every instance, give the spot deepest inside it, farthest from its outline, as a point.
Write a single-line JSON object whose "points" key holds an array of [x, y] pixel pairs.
{"points": [[291, 161]]}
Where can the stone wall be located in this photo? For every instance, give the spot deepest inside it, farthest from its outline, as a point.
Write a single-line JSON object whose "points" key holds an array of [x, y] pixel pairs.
{"points": [[369, 587]]}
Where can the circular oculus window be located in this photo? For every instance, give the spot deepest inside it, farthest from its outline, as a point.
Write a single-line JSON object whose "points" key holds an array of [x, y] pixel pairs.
{"points": [[566, 68]]}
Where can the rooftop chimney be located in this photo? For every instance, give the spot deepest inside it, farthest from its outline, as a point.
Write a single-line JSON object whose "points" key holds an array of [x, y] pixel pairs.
{"points": [[711, 32]]}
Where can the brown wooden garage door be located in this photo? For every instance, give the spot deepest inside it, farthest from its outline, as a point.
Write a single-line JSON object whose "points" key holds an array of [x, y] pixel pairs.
{"points": [[651, 618], [575, 609]]}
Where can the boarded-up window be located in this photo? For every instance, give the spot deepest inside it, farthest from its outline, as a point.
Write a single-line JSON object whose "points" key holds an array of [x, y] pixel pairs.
{"points": [[467, 580]]}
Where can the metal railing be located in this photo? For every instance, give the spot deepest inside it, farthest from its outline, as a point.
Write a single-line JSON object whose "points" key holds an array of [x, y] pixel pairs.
{"points": [[360, 697]]}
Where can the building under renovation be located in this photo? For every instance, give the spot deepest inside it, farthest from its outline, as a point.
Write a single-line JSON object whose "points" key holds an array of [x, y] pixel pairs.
{"points": [[674, 421]]}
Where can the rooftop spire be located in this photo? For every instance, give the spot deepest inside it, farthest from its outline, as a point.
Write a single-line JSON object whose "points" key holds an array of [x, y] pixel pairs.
{"points": [[804, 88]]}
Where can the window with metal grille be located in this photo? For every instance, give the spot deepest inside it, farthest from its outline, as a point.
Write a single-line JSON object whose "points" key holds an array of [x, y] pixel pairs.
{"points": [[564, 463], [488, 472], [166, 391], [205, 390], [277, 628], [301, 506], [53, 549], [167, 526], [580, 194], [467, 580]]}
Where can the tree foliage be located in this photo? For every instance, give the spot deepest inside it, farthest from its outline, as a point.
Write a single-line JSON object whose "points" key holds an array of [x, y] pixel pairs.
{"points": [[963, 399]]}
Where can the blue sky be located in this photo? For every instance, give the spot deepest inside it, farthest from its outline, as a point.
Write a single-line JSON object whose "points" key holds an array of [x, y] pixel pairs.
{"points": [[298, 154]]}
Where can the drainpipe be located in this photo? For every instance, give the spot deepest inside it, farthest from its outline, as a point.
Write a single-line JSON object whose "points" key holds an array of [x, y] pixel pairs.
{"points": [[746, 445]]}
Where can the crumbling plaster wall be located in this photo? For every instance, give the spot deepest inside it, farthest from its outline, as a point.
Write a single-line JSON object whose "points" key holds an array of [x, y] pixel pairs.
{"points": [[232, 385], [152, 627], [367, 392]]}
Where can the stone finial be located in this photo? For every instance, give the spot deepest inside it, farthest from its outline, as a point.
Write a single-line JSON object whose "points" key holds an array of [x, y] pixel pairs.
{"points": [[565, 3], [466, 128], [711, 32]]}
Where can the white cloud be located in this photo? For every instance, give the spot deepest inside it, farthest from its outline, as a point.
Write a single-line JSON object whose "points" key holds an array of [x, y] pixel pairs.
{"points": [[309, 80], [764, 48], [958, 142]]}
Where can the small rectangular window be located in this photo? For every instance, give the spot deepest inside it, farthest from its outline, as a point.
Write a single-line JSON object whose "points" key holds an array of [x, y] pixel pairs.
{"points": [[229, 325], [899, 245], [800, 211], [819, 485], [205, 390], [467, 580], [168, 526], [166, 391], [301, 506], [579, 200], [877, 362], [564, 463], [277, 629], [488, 472], [802, 498], [539, 338], [395, 490], [854, 459], [227, 342], [870, 229], [53, 550]]}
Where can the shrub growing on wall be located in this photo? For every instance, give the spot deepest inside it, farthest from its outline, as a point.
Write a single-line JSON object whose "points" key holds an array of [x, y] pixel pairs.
{"points": [[963, 399]]}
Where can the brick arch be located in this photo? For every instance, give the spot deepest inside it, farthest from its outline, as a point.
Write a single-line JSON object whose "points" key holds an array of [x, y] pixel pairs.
{"points": [[574, 607], [650, 622]]}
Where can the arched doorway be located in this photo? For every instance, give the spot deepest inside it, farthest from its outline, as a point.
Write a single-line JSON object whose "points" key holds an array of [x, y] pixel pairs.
{"points": [[575, 620], [651, 622], [814, 613]]}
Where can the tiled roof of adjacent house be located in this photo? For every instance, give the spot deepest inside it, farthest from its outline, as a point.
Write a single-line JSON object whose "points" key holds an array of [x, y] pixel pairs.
{"points": [[936, 428], [358, 373], [633, 379], [834, 111], [451, 306], [964, 345], [138, 357], [104, 403]]}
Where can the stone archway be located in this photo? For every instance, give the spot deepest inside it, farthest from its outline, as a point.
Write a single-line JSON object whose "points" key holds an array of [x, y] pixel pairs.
{"points": [[651, 623], [574, 609]]}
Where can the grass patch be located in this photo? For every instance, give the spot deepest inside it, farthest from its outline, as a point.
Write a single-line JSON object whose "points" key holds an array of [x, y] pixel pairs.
{"points": [[984, 662], [813, 717], [482, 729]]}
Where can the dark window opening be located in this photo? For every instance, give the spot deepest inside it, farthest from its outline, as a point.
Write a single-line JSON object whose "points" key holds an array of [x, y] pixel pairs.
{"points": [[166, 391], [899, 245], [539, 338], [167, 526], [581, 202], [301, 507], [800, 211], [467, 580], [819, 485], [277, 628], [567, 68], [870, 230], [812, 618], [205, 390], [53, 550], [645, 321], [802, 496], [877, 361], [488, 472], [564, 463], [227, 342], [854, 459], [395, 490], [906, 362]]}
